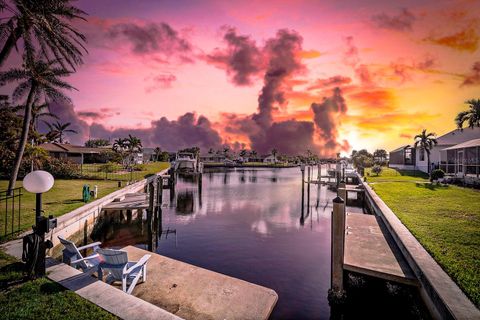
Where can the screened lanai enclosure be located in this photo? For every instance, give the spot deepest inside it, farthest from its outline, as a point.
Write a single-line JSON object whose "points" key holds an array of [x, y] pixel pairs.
{"points": [[462, 161]]}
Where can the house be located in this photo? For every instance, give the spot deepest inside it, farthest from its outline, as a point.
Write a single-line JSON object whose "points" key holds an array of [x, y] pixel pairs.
{"points": [[462, 160], [403, 158], [71, 152], [420, 161], [270, 159], [212, 158]]}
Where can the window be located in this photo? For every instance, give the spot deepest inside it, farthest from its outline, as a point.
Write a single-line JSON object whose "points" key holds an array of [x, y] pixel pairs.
{"points": [[408, 156], [422, 155]]}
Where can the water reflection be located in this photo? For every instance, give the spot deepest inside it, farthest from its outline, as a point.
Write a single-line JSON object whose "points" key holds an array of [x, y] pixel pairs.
{"points": [[254, 224]]}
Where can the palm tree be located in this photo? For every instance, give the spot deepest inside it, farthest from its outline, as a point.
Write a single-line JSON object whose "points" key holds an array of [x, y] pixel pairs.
{"points": [[253, 153], [46, 22], [134, 143], [39, 110], [42, 80], [157, 152], [471, 116], [60, 129], [274, 154], [426, 141], [119, 145]]}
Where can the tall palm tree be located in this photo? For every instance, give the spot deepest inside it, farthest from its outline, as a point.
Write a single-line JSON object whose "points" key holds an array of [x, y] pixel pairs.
{"points": [[42, 80], [426, 141], [44, 26], [119, 145], [39, 110], [157, 152], [134, 144], [60, 129], [274, 154], [471, 116]]}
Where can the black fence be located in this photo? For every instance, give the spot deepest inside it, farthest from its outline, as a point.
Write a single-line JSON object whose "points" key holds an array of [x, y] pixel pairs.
{"points": [[11, 213]]}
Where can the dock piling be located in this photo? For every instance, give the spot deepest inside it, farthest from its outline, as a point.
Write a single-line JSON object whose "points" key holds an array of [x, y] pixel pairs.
{"points": [[338, 245]]}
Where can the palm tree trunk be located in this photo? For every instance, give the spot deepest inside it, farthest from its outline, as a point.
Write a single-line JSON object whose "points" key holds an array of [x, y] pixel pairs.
{"points": [[9, 44], [428, 162], [23, 140]]}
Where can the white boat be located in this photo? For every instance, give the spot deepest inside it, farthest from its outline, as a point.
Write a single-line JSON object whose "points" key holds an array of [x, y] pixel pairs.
{"points": [[187, 162]]}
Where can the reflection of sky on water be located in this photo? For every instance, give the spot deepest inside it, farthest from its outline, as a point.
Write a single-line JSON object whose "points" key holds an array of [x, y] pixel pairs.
{"points": [[247, 224]]}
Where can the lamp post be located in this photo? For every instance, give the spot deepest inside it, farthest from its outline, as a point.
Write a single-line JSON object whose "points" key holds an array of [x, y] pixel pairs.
{"points": [[39, 182]]}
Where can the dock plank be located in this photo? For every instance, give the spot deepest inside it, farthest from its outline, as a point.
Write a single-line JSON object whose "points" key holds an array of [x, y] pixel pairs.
{"points": [[191, 292], [370, 250]]}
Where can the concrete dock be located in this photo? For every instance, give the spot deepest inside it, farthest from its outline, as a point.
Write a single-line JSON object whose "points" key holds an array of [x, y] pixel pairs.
{"points": [[370, 250], [131, 201], [191, 292]]}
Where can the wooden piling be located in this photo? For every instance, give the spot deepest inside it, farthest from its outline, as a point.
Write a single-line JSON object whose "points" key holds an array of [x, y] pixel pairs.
{"points": [[342, 191], [338, 244]]}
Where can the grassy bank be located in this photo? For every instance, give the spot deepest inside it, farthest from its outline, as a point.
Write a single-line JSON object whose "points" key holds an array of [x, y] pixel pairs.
{"points": [[118, 173], [65, 196], [445, 219], [41, 298]]}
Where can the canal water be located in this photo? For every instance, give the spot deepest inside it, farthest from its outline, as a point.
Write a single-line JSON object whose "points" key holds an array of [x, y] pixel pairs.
{"points": [[248, 224]]}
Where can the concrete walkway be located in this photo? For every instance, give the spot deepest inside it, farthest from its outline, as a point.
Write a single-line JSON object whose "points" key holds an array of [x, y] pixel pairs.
{"points": [[104, 295], [195, 293]]}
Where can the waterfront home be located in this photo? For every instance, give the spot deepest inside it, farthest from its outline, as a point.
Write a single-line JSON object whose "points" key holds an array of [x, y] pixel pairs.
{"points": [[270, 159], [71, 152], [408, 157], [463, 160], [212, 158]]}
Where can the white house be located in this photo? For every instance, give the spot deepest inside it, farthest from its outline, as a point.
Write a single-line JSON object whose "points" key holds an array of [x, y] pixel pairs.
{"points": [[270, 159], [437, 155]]}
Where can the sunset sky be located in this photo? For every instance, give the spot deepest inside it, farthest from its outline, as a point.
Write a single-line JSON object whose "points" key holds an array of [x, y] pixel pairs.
{"points": [[295, 75]]}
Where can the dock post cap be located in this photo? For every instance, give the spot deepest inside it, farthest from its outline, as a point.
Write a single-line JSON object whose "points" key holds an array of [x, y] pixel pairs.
{"points": [[338, 200]]}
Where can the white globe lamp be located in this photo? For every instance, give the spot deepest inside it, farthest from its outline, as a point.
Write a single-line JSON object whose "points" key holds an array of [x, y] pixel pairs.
{"points": [[38, 181]]}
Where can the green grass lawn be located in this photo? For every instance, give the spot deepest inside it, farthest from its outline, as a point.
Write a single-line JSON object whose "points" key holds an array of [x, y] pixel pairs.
{"points": [[118, 173], [65, 196], [41, 298], [445, 219]]}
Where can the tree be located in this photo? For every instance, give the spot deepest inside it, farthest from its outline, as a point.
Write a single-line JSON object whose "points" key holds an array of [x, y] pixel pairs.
{"points": [[243, 153], [274, 154], [157, 152], [42, 80], [95, 143], [60, 129], [471, 116], [362, 159], [253, 154], [39, 110], [426, 141], [377, 169], [380, 156], [44, 26]]}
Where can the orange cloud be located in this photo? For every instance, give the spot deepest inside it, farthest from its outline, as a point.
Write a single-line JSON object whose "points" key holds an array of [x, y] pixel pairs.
{"points": [[310, 54], [464, 40], [375, 100]]}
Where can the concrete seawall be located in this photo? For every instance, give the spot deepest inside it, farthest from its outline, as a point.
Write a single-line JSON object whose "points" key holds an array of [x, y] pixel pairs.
{"points": [[441, 294]]}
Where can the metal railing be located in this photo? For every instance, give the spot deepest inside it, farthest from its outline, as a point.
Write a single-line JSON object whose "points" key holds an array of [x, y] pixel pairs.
{"points": [[11, 211]]}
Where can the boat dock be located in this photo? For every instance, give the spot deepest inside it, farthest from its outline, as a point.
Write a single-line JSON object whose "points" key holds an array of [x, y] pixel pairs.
{"points": [[370, 250], [191, 292]]}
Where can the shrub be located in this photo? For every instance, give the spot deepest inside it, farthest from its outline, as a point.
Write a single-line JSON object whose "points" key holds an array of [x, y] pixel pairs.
{"points": [[108, 167], [436, 174], [139, 167], [377, 169], [62, 168]]}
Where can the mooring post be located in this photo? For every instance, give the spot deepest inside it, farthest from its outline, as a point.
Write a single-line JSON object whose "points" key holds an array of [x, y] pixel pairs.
{"points": [[319, 172], [342, 191], [338, 243]]}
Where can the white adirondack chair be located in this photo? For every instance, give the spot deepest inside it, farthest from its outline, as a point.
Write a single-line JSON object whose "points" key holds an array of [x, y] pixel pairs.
{"points": [[120, 269], [72, 256]]}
